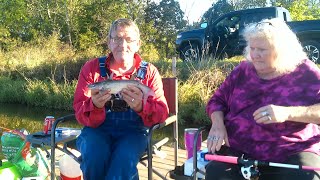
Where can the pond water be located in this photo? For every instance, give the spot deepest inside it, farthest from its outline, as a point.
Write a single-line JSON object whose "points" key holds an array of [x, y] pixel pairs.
{"points": [[17, 116]]}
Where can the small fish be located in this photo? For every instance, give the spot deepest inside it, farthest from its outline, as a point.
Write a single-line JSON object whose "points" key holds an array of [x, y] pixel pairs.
{"points": [[116, 86]]}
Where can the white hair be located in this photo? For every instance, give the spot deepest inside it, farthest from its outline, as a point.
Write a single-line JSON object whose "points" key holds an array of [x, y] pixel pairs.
{"points": [[124, 22], [288, 50]]}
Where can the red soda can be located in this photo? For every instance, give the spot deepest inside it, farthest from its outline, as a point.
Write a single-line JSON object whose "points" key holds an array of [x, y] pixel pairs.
{"points": [[47, 125]]}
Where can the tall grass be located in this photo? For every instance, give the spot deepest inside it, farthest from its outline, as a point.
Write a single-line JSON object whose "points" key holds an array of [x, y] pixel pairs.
{"points": [[45, 73], [44, 58], [11, 91], [37, 93], [199, 85], [50, 94]]}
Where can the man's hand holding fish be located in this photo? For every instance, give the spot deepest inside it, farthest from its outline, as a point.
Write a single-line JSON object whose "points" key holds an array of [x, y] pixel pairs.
{"points": [[133, 96], [131, 91], [99, 98]]}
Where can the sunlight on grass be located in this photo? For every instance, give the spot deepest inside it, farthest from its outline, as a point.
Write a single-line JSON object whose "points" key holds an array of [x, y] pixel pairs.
{"points": [[203, 79]]}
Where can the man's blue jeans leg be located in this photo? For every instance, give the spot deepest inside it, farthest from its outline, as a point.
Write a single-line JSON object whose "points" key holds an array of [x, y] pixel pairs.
{"points": [[111, 154], [127, 149], [95, 152]]}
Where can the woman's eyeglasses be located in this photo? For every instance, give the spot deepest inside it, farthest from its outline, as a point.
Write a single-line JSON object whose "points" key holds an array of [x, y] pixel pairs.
{"points": [[260, 24]]}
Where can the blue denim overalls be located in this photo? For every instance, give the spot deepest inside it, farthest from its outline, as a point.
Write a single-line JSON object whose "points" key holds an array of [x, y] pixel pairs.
{"points": [[112, 151]]}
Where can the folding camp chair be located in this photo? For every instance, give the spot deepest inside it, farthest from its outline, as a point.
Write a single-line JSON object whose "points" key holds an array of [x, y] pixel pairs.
{"points": [[40, 140], [170, 87], [170, 91]]}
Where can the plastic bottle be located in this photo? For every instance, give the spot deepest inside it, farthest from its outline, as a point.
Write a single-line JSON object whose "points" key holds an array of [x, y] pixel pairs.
{"points": [[69, 168], [9, 171]]}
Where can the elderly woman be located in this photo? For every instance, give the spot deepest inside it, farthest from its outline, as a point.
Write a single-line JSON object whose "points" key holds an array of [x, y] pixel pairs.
{"points": [[268, 107]]}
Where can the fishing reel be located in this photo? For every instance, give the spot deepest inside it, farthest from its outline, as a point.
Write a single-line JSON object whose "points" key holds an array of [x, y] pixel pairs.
{"points": [[117, 104], [249, 170]]}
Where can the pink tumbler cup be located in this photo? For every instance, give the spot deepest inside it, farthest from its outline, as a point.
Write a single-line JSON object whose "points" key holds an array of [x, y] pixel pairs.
{"points": [[189, 135]]}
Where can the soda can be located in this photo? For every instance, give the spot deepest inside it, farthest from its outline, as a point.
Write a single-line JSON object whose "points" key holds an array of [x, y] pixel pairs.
{"points": [[189, 136], [47, 125]]}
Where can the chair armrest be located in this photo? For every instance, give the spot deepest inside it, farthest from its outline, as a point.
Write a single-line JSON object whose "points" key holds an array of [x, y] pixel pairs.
{"points": [[195, 142], [62, 120], [168, 121], [53, 138]]}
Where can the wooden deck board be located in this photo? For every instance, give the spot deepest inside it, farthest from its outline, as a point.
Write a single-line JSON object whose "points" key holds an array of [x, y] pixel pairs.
{"points": [[165, 165], [162, 165]]}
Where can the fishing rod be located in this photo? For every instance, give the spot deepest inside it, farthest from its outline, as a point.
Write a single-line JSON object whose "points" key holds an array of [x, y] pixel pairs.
{"points": [[250, 167]]}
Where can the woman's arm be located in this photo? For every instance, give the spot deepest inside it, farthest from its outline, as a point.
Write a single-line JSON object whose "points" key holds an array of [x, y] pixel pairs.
{"points": [[218, 133], [278, 114]]}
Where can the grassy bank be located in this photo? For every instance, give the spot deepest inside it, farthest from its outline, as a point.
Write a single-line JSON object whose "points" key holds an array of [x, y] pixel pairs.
{"points": [[45, 73], [195, 87]]}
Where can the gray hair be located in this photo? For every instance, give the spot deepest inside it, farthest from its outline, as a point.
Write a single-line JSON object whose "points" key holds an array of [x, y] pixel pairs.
{"points": [[288, 50], [124, 22]]}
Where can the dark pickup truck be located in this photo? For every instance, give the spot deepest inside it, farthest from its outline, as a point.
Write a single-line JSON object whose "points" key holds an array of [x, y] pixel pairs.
{"points": [[222, 37]]}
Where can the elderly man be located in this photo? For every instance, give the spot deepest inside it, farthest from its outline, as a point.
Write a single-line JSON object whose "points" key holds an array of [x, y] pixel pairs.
{"points": [[114, 135]]}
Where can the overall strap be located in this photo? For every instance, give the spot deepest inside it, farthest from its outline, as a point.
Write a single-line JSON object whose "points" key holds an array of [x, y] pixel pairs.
{"points": [[142, 71], [104, 72]]}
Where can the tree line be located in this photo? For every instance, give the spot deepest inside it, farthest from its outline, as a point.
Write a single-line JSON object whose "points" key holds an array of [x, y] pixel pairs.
{"points": [[84, 24]]}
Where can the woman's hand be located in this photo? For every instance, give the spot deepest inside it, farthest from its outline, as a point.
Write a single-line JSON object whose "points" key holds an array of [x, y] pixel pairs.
{"points": [[218, 133], [133, 96], [271, 114], [99, 98]]}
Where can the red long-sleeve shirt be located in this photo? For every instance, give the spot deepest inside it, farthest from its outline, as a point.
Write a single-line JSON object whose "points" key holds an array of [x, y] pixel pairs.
{"points": [[155, 110]]}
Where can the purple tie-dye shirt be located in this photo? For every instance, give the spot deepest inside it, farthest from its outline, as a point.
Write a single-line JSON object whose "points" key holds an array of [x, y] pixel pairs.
{"points": [[243, 92]]}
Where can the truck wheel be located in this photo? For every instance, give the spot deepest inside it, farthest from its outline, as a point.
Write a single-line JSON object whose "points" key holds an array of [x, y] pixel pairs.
{"points": [[312, 48], [190, 53]]}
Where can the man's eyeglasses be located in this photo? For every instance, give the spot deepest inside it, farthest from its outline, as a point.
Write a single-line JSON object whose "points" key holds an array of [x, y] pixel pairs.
{"points": [[118, 40]]}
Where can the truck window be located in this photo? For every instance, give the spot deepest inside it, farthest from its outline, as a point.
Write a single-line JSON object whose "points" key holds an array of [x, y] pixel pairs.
{"points": [[228, 25], [256, 17], [284, 16]]}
